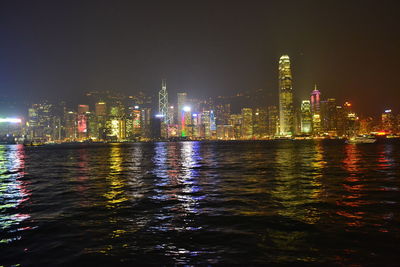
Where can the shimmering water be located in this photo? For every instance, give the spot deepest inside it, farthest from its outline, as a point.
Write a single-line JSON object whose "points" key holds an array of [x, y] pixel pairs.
{"points": [[282, 202]]}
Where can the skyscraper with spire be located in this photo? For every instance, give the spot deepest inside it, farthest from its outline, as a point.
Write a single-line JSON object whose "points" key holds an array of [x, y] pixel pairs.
{"points": [[286, 110], [316, 110], [163, 102]]}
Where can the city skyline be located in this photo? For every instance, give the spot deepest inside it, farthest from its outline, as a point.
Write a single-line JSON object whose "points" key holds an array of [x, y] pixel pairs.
{"points": [[199, 133], [107, 116]]}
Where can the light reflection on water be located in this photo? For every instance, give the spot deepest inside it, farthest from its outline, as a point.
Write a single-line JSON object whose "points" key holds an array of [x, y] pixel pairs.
{"points": [[177, 182], [200, 203], [116, 192], [298, 181], [13, 191]]}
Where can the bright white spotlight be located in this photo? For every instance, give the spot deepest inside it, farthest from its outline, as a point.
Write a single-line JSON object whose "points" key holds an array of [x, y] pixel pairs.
{"points": [[12, 120], [186, 108]]}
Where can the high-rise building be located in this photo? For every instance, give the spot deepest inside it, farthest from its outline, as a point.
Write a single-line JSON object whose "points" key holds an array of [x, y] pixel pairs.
{"points": [[92, 126], [70, 125], [247, 123], [316, 110], [286, 110], [213, 125], [163, 102], [145, 123], [340, 117], [350, 120], [116, 129], [133, 124], [82, 109], [181, 104], [171, 114], [205, 124], [82, 120], [306, 118], [329, 116], [366, 125], [101, 119], [388, 121], [41, 122], [186, 122], [101, 109], [235, 120], [116, 122], [273, 121], [82, 126], [222, 113], [260, 123]]}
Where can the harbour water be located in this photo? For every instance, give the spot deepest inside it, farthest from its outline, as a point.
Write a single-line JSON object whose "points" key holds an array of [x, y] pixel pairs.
{"points": [[280, 202]]}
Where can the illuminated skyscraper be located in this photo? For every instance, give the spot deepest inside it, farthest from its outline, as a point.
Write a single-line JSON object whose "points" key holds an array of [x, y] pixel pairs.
{"points": [[163, 102], [116, 122], [306, 119], [82, 121], [247, 123], [213, 125], [286, 112], [222, 113], [235, 120], [388, 121], [186, 121], [179, 110], [350, 120], [316, 110], [41, 121], [260, 123], [101, 118], [70, 126], [101, 109]]}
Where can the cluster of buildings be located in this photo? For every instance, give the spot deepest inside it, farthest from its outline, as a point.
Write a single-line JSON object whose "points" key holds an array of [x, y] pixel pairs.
{"points": [[324, 118], [108, 116]]}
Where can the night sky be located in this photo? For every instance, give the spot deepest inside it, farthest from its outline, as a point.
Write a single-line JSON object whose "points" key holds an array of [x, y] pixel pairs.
{"points": [[61, 49]]}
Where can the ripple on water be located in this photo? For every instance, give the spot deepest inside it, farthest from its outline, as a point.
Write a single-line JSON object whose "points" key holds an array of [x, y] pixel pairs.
{"points": [[277, 202]]}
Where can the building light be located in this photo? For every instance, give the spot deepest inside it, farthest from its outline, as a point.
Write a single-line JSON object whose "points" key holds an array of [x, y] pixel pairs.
{"points": [[186, 109], [347, 104], [115, 128], [11, 120]]}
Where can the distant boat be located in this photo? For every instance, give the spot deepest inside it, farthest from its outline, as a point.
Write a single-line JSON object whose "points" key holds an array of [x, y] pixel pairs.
{"points": [[361, 140], [33, 143]]}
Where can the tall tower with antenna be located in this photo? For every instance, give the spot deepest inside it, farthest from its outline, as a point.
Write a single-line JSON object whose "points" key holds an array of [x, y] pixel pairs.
{"points": [[163, 102], [286, 110]]}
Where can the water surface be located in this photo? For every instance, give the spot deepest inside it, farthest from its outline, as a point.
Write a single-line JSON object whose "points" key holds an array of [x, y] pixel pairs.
{"points": [[278, 202]]}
